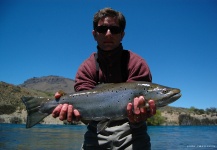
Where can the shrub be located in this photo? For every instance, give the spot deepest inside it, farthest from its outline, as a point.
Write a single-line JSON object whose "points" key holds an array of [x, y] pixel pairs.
{"points": [[157, 119], [7, 109], [2, 120], [16, 120]]}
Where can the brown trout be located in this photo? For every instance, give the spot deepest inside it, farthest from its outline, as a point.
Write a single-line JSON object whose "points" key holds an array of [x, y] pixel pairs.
{"points": [[105, 103]]}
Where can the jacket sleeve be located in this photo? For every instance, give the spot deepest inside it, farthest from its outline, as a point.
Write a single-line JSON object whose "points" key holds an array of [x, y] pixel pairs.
{"points": [[138, 69], [86, 74]]}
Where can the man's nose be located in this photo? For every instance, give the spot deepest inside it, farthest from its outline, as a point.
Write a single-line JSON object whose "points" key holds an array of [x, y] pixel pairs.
{"points": [[108, 33]]}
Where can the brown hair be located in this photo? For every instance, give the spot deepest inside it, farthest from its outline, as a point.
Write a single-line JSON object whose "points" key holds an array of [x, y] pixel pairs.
{"points": [[109, 12]]}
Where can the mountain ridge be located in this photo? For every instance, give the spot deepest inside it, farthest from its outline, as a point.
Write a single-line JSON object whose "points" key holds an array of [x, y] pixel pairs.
{"points": [[50, 84]]}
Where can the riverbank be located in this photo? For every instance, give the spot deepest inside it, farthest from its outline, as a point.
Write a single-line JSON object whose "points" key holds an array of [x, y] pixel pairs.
{"points": [[171, 118]]}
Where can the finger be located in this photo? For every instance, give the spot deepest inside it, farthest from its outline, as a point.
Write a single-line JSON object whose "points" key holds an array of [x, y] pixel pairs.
{"points": [[152, 107], [141, 103], [69, 113], [57, 95], [139, 111], [135, 106], [57, 110], [143, 111], [129, 112], [63, 112], [77, 115]]}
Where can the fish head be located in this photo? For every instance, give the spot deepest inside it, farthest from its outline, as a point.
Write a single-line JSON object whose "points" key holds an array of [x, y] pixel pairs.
{"points": [[162, 95]]}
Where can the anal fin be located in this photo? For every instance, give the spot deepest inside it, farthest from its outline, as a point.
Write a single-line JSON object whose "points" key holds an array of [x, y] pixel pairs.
{"points": [[102, 125]]}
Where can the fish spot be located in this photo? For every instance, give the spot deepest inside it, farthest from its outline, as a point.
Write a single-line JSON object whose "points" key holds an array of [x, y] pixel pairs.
{"points": [[145, 90]]}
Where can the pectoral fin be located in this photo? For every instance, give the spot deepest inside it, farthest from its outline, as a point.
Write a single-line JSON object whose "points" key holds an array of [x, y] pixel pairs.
{"points": [[102, 125]]}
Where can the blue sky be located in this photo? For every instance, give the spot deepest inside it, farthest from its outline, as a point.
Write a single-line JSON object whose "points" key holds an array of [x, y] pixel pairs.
{"points": [[177, 38]]}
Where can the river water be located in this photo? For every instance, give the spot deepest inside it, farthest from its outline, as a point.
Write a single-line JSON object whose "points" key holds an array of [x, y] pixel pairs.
{"points": [[56, 137]]}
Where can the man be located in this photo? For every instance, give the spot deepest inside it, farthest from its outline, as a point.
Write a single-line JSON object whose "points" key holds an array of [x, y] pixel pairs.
{"points": [[112, 64]]}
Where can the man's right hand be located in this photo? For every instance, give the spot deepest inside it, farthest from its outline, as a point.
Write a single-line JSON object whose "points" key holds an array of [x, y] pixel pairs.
{"points": [[65, 111]]}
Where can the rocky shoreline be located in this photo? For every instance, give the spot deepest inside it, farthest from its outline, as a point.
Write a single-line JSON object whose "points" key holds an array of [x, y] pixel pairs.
{"points": [[20, 117], [177, 118], [171, 119]]}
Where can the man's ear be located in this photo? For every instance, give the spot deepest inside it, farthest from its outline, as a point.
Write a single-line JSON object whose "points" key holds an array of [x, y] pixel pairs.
{"points": [[94, 34]]}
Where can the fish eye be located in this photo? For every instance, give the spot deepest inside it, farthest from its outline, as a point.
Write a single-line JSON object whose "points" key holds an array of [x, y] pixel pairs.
{"points": [[164, 91]]}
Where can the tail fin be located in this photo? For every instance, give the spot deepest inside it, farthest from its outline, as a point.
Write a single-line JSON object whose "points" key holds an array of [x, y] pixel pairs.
{"points": [[33, 109]]}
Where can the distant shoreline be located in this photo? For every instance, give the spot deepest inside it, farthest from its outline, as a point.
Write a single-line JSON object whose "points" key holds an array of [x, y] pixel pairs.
{"points": [[171, 119]]}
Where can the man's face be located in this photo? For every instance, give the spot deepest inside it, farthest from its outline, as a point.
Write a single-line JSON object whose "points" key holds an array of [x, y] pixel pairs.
{"points": [[108, 41]]}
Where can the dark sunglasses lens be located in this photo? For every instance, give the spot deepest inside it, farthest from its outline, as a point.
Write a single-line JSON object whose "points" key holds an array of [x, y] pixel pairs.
{"points": [[115, 30], [101, 29], [104, 29]]}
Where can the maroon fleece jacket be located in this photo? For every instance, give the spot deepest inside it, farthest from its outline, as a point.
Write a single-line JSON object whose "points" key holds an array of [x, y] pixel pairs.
{"points": [[110, 69]]}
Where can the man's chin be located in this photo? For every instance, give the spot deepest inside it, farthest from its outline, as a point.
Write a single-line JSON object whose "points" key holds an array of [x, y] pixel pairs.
{"points": [[108, 47]]}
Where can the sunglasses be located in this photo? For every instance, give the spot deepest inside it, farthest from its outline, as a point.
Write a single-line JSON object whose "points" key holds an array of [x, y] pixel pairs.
{"points": [[104, 29]]}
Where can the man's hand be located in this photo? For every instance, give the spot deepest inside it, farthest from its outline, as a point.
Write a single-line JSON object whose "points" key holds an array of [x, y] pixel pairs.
{"points": [[138, 114], [65, 111]]}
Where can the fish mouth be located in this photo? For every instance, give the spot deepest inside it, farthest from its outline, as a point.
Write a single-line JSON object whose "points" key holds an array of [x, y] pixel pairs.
{"points": [[177, 94], [170, 99], [174, 97]]}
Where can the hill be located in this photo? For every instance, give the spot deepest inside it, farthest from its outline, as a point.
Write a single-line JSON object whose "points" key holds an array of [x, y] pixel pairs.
{"points": [[10, 97], [12, 109], [50, 84]]}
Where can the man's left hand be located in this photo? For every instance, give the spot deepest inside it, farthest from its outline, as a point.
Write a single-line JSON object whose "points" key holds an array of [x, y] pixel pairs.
{"points": [[137, 113]]}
